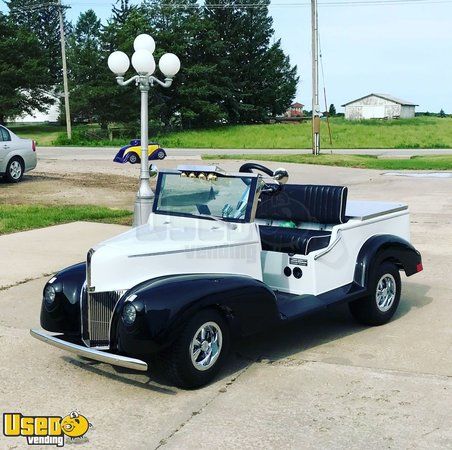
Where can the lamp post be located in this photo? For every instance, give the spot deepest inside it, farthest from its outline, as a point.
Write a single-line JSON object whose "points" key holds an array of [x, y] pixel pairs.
{"points": [[144, 64]]}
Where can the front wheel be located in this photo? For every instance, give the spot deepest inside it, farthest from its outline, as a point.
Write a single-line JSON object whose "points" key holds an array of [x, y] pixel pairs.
{"points": [[199, 352], [383, 299], [134, 158]]}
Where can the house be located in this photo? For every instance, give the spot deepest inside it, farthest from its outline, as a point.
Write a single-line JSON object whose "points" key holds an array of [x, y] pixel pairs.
{"points": [[379, 106], [295, 110], [50, 116]]}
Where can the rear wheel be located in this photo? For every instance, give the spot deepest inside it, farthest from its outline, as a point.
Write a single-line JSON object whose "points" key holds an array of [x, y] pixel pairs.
{"points": [[199, 352], [14, 170], [161, 154], [383, 299]]}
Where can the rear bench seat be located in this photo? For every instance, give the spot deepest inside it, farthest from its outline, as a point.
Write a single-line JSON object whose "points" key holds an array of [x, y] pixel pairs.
{"points": [[316, 204]]}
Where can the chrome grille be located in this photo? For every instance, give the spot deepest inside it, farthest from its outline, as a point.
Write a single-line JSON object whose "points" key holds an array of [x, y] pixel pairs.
{"points": [[100, 311]]}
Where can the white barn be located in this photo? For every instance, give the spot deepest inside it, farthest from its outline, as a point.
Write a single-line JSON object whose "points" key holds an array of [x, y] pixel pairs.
{"points": [[379, 106]]}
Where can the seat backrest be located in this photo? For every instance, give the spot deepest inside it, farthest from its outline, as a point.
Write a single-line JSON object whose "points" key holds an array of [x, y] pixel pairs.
{"points": [[304, 203]]}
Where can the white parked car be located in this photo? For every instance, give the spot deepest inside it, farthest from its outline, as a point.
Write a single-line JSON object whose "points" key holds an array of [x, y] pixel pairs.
{"points": [[225, 255], [17, 155]]}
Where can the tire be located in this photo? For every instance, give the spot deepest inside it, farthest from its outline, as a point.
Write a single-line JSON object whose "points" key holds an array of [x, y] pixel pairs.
{"points": [[383, 299], [180, 364], [161, 154], [134, 158], [14, 170]]}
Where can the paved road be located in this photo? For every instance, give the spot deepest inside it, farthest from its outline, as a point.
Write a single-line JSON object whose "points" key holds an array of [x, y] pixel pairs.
{"points": [[107, 153]]}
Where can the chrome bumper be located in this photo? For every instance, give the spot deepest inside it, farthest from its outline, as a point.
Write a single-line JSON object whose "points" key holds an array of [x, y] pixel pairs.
{"points": [[91, 353]]}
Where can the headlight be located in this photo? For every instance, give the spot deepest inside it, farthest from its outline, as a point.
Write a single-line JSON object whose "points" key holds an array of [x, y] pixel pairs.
{"points": [[129, 314], [49, 295]]}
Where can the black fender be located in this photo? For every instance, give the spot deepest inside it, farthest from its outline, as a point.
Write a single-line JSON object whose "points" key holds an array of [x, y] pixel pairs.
{"points": [[166, 303], [64, 315], [386, 247]]}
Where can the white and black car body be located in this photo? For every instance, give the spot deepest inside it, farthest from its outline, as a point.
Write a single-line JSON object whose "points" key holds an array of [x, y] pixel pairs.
{"points": [[226, 255]]}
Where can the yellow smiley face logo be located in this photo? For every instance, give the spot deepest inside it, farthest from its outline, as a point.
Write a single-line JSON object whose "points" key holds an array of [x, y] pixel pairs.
{"points": [[74, 425]]}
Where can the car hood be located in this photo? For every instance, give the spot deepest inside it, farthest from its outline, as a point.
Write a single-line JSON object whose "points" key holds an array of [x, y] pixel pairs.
{"points": [[170, 245]]}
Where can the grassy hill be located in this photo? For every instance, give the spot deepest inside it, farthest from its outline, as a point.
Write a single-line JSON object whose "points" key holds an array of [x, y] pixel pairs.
{"points": [[421, 132]]}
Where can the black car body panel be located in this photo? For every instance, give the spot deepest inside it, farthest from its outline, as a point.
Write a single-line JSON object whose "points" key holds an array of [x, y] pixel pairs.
{"points": [[385, 247], [165, 304], [64, 316]]}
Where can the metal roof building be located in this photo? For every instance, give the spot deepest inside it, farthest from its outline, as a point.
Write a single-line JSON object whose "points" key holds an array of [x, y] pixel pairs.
{"points": [[379, 106]]}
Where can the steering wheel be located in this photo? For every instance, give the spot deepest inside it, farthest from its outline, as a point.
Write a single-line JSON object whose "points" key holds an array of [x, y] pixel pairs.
{"points": [[250, 167]]}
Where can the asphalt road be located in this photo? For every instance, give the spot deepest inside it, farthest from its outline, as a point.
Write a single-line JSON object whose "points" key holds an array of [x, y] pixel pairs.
{"points": [[107, 153], [322, 382]]}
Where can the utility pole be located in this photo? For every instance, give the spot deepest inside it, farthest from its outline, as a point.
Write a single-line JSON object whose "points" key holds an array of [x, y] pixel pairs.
{"points": [[315, 79], [65, 83]]}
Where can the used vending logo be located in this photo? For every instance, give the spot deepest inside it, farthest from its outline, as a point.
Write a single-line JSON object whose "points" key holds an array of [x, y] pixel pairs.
{"points": [[46, 430]]}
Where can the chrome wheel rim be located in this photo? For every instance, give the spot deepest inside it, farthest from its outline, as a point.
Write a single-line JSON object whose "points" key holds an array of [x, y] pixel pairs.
{"points": [[386, 292], [205, 347], [15, 170]]}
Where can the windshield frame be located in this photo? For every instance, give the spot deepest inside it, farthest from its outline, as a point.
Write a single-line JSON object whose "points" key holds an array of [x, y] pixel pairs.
{"points": [[249, 208]]}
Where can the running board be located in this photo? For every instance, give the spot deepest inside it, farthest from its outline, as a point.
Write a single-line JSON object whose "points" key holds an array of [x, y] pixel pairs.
{"points": [[292, 306]]}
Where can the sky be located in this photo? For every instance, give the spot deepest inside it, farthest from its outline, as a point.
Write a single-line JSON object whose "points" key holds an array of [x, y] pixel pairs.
{"points": [[404, 50]]}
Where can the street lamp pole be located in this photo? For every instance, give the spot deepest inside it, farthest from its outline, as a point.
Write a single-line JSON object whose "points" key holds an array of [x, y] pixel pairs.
{"points": [[143, 62]]}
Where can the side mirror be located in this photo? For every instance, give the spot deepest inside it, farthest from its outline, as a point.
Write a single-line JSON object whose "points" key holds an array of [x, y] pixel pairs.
{"points": [[281, 176], [153, 171]]}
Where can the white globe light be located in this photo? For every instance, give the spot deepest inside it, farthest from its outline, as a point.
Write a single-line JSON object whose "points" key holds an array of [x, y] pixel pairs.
{"points": [[118, 63], [144, 42], [169, 64], [143, 62]]}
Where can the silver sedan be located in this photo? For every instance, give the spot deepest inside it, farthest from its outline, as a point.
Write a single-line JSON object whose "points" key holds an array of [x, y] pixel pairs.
{"points": [[17, 155]]}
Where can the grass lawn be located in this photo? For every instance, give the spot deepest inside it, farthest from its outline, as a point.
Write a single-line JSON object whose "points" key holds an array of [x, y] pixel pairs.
{"points": [[421, 132], [26, 217], [360, 161], [43, 134]]}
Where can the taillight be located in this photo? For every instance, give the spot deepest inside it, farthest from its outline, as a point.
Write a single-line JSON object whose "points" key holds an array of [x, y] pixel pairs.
{"points": [[419, 267], [33, 145]]}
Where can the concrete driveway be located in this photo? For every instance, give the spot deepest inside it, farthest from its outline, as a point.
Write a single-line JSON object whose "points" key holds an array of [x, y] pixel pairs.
{"points": [[322, 382]]}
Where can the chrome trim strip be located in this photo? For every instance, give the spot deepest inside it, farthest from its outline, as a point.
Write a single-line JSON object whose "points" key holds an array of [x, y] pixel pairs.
{"points": [[88, 287], [330, 247], [97, 355], [196, 249]]}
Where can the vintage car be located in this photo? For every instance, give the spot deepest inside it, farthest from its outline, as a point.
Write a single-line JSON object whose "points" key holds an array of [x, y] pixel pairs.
{"points": [[226, 255], [131, 153]]}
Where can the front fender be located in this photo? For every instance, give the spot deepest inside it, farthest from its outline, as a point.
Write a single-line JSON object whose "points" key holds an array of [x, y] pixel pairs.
{"points": [[166, 303], [64, 316], [382, 248]]}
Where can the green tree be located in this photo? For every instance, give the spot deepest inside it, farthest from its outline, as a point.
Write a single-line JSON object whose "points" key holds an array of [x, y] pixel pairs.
{"points": [[42, 19], [442, 114], [192, 99], [24, 83], [332, 111], [86, 76], [256, 78], [116, 103]]}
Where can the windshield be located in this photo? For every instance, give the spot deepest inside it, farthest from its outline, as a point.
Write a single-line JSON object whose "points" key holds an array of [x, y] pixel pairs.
{"points": [[228, 198]]}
